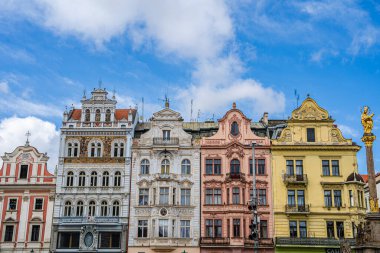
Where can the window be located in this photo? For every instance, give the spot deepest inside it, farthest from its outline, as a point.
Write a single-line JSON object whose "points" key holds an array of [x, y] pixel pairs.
{"points": [[299, 167], [144, 197], [310, 134], [335, 167], [118, 149], [24, 171], [79, 208], [262, 196], [236, 223], [328, 200], [95, 149], [165, 166], [209, 196], [228, 196], [68, 240], [303, 229], [213, 228], [142, 229], [300, 198], [104, 208], [263, 229], [12, 206], [291, 198], [217, 166], [250, 167], [67, 209], [185, 197], [209, 228], [235, 195], [213, 196], [293, 229], [163, 226], [261, 167], [106, 179], [326, 167], [97, 115], [70, 179], [35, 236], [213, 166], [185, 229], [115, 208], [290, 167], [337, 198], [91, 208], [185, 166], [330, 229], [174, 196], [87, 115], [117, 179], [235, 128], [38, 204], [82, 178], [94, 179], [72, 149], [340, 229], [164, 196], [166, 135], [109, 240], [144, 167], [218, 228], [8, 236], [209, 167], [359, 199], [235, 167], [108, 115], [351, 195]]}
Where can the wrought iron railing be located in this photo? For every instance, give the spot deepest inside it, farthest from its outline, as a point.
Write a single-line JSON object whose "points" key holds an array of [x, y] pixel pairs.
{"points": [[295, 179], [297, 208], [215, 240], [165, 141]]}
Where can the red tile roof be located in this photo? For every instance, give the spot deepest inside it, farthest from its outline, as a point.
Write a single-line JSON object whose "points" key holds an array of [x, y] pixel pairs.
{"points": [[120, 114], [365, 178], [75, 114]]}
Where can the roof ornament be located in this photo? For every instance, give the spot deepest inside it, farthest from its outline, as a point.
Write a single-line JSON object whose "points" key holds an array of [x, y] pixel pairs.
{"points": [[233, 105], [28, 134], [84, 94], [114, 94]]}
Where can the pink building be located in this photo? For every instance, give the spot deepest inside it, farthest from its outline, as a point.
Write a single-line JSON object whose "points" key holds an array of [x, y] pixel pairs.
{"points": [[227, 186]]}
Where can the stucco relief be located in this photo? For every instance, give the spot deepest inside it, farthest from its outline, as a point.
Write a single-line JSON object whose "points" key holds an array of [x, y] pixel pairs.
{"points": [[309, 110], [235, 148]]}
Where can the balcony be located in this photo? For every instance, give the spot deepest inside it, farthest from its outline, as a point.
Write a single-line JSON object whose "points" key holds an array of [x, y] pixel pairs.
{"points": [[165, 176], [165, 141], [235, 176], [211, 241], [295, 179], [264, 242], [297, 209], [311, 241], [97, 219]]}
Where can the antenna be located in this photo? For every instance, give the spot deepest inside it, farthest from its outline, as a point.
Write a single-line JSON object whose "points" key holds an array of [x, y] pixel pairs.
{"points": [[198, 115], [191, 111], [297, 97], [114, 93]]}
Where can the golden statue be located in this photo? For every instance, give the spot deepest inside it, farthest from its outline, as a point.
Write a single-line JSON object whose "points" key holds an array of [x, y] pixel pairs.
{"points": [[367, 120]]}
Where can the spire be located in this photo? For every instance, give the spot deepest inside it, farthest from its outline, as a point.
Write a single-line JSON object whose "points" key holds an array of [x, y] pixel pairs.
{"points": [[166, 102], [28, 134]]}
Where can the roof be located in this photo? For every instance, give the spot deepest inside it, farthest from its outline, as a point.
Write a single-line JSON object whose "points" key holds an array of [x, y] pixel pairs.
{"points": [[75, 114], [120, 114], [355, 177], [365, 178]]}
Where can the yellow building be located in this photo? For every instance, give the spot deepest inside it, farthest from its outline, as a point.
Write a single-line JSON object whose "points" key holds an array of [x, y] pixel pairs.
{"points": [[318, 195]]}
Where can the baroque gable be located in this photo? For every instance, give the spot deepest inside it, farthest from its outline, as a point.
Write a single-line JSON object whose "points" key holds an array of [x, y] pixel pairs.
{"points": [[310, 110]]}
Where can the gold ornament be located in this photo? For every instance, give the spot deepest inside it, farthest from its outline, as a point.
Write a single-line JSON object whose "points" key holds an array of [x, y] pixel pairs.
{"points": [[367, 120]]}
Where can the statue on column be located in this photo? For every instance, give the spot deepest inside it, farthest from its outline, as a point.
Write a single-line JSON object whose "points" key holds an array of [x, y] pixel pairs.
{"points": [[367, 120]]}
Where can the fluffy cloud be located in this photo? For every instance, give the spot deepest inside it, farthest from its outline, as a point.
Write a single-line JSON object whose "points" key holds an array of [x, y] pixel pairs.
{"points": [[4, 88], [45, 136], [348, 131]]}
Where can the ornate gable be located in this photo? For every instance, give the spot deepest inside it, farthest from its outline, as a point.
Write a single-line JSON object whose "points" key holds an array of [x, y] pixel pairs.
{"points": [[167, 114], [310, 110]]}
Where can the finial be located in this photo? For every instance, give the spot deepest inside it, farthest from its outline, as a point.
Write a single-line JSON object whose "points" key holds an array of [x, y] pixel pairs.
{"points": [[308, 95], [27, 138], [84, 94], [114, 94], [233, 105], [166, 101]]}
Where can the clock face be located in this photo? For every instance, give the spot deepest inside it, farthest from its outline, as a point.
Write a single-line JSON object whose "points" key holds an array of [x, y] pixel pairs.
{"points": [[88, 239]]}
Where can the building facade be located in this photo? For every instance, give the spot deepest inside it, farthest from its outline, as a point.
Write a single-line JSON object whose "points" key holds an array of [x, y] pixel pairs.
{"points": [[227, 184], [318, 195], [92, 197], [366, 189], [165, 187], [26, 201]]}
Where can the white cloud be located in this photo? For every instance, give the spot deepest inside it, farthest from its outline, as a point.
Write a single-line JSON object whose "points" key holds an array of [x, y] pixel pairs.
{"points": [[322, 53], [348, 131], [4, 88], [45, 136]]}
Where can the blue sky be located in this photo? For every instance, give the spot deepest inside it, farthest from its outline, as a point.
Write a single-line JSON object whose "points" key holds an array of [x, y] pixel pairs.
{"points": [[214, 52]]}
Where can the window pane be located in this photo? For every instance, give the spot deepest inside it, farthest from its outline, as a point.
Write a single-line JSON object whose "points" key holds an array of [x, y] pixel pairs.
{"points": [[326, 167], [335, 167], [261, 166], [217, 166], [289, 167]]}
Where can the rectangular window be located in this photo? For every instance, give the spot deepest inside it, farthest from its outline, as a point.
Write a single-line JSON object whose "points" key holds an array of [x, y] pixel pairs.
{"points": [[261, 167], [299, 167], [326, 167], [262, 196], [303, 229], [217, 196], [24, 171], [208, 166], [340, 229], [290, 167], [351, 196], [293, 229], [235, 195], [218, 228], [174, 196], [38, 204], [359, 200], [144, 197], [68, 240], [185, 228], [35, 233], [166, 135], [328, 200], [263, 229], [236, 223], [8, 236], [310, 135], [228, 196], [217, 166], [163, 226], [250, 167], [337, 198], [291, 198], [209, 194], [335, 167], [142, 229], [330, 229], [12, 204], [109, 240], [185, 197], [209, 228], [301, 198], [164, 195]]}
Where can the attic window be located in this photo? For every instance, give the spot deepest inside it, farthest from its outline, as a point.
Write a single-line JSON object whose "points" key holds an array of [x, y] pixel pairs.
{"points": [[234, 128], [310, 134], [24, 172]]}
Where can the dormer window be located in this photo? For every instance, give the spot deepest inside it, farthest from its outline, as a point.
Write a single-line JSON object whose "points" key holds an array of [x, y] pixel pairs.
{"points": [[97, 115], [24, 171], [166, 135], [310, 134], [87, 115], [235, 128], [108, 115]]}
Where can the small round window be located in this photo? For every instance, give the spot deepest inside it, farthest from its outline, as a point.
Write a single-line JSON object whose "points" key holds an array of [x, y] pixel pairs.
{"points": [[235, 128]]}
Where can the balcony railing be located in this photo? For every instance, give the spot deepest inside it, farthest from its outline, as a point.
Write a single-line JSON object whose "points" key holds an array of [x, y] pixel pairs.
{"points": [[165, 141], [262, 242], [297, 209], [235, 176], [215, 241], [97, 219], [295, 179], [311, 241]]}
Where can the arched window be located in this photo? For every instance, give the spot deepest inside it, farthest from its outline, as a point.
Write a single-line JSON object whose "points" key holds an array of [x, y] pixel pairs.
{"points": [[165, 166], [95, 149], [70, 179], [108, 115], [87, 115], [117, 179], [185, 166], [82, 178], [115, 208], [94, 179], [80, 208], [91, 208], [97, 115], [144, 166], [104, 208], [235, 128], [235, 167], [106, 178], [67, 209]]}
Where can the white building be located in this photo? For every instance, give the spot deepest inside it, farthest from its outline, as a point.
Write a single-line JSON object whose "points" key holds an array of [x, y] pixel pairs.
{"points": [[92, 203], [165, 187]]}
